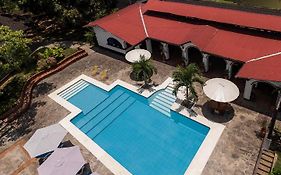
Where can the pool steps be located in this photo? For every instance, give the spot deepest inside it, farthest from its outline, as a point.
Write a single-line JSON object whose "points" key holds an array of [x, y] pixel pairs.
{"points": [[103, 114], [110, 118], [74, 89], [99, 108], [164, 100]]}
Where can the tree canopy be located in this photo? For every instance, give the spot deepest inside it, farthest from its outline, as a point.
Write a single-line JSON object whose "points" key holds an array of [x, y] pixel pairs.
{"points": [[70, 12], [143, 70], [186, 77], [14, 48]]}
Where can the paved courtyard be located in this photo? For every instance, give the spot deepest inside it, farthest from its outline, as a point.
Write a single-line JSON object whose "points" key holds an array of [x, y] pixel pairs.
{"points": [[235, 153]]}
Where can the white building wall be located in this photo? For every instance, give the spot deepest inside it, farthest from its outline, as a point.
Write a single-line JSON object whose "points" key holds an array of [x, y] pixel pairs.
{"points": [[102, 37]]}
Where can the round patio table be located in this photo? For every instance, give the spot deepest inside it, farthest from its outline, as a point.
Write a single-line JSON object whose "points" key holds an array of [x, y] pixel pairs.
{"points": [[221, 92]]}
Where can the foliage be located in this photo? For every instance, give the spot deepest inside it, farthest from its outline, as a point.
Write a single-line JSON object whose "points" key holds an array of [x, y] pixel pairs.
{"points": [[71, 13], [103, 75], [143, 70], [89, 37], [276, 171], [53, 52], [43, 64], [69, 51], [9, 6], [186, 77], [14, 50], [95, 70], [277, 167], [11, 92]]}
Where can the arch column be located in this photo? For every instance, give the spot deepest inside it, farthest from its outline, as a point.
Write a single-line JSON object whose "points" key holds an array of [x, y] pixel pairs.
{"points": [[228, 68], [165, 50], [137, 46], [184, 49], [248, 89], [206, 62], [278, 101], [148, 45]]}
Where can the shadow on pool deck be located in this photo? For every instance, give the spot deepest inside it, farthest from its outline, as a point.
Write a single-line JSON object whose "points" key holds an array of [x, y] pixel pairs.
{"points": [[223, 118], [15, 161]]}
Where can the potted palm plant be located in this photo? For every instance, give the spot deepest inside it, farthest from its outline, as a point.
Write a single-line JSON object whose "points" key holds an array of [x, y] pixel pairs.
{"points": [[143, 70], [186, 77]]}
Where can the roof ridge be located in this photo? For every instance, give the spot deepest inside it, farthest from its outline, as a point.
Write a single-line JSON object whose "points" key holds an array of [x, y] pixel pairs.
{"points": [[143, 22], [264, 57]]}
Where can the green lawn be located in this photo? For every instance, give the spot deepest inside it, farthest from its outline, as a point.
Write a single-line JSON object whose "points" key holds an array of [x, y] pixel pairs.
{"points": [[271, 4]]}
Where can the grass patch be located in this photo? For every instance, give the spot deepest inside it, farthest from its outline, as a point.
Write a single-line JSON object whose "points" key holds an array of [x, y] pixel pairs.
{"points": [[69, 51], [277, 167]]}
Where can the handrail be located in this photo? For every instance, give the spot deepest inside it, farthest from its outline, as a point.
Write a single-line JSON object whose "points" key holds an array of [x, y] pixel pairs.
{"points": [[260, 154]]}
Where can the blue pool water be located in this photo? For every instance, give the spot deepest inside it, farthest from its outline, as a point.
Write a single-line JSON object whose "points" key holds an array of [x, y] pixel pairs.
{"points": [[140, 138]]}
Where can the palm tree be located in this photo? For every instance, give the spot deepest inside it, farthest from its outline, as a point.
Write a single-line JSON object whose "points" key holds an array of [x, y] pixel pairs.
{"points": [[143, 70], [186, 77]]}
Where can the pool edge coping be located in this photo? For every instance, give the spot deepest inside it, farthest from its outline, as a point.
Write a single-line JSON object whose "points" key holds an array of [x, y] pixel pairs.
{"points": [[198, 162]]}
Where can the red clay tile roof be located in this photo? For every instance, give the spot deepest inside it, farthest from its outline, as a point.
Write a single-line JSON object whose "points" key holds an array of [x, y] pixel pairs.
{"points": [[267, 69], [227, 16], [127, 25]]}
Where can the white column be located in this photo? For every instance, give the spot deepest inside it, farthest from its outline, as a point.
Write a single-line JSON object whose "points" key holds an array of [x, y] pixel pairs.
{"points": [[278, 101], [228, 68], [137, 46], [148, 45], [184, 49], [248, 89], [165, 50], [206, 62], [184, 54]]}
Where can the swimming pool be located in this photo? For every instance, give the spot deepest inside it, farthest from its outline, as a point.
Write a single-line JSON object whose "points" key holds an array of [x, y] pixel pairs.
{"points": [[143, 139]]}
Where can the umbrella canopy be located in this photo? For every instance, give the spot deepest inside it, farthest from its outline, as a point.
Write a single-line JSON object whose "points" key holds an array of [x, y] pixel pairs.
{"points": [[45, 140], [134, 55], [63, 161], [221, 90]]}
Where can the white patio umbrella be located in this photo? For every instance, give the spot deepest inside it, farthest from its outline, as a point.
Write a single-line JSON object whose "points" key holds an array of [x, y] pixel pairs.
{"points": [[221, 90], [134, 55], [63, 161], [45, 140]]}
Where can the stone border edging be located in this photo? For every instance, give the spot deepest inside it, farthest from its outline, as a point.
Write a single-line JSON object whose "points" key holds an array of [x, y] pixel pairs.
{"points": [[24, 101]]}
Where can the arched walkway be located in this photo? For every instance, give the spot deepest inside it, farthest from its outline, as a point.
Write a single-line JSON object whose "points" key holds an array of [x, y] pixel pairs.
{"points": [[263, 88], [195, 56]]}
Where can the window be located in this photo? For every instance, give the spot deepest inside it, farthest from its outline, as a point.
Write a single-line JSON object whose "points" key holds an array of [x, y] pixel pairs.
{"points": [[114, 43]]}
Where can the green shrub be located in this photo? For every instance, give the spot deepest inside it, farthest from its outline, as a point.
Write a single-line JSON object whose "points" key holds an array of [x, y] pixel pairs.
{"points": [[69, 51], [52, 52], [90, 37], [11, 92], [276, 171], [43, 64]]}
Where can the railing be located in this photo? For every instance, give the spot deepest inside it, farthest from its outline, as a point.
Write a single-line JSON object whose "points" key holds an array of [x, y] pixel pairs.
{"points": [[265, 145]]}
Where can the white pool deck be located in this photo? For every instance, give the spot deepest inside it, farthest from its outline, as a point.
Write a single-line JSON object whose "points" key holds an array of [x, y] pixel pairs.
{"points": [[200, 159]]}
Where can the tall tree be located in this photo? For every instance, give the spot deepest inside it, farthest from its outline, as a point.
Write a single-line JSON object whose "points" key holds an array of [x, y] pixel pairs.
{"points": [[14, 50], [186, 77]]}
